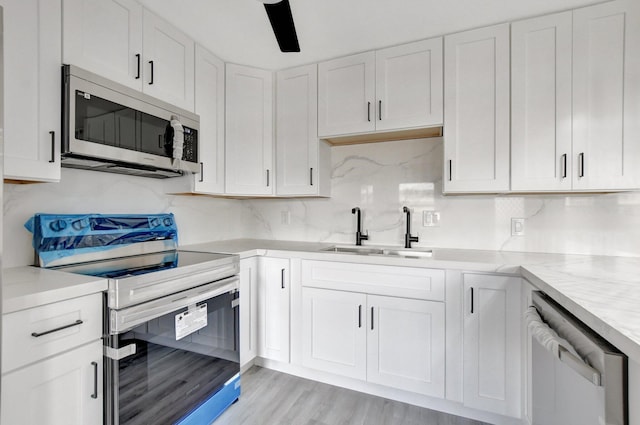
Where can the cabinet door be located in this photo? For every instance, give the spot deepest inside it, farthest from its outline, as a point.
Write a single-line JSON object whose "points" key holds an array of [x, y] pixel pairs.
{"points": [[62, 390], [248, 310], [405, 345], [409, 85], [249, 127], [334, 332], [297, 135], [476, 125], [346, 94], [492, 344], [541, 103], [606, 96], [32, 59], [168, 62], [274, 293], [209, 103], [105, 37]]}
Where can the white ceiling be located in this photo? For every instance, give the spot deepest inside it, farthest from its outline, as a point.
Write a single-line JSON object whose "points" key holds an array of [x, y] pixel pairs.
{"points": [[239, 31]]}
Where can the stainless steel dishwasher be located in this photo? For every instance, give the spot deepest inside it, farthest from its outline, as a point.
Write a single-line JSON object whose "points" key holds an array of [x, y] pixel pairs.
{"points": [[578, 378]]}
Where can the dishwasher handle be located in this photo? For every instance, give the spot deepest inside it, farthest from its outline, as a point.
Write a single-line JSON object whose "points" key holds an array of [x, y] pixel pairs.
{"points": [[550, 340], [579, 366]]}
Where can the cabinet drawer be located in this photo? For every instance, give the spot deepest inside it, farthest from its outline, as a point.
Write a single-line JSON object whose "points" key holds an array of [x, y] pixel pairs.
{"points": [[60, 326], [410, 282]]}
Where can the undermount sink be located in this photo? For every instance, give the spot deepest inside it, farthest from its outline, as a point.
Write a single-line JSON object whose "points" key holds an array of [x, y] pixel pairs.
{"points": [[395, 252], [354, 250]]}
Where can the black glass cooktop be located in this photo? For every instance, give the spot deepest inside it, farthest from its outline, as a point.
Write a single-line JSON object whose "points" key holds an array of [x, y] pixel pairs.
{"points": [[118, 268]]}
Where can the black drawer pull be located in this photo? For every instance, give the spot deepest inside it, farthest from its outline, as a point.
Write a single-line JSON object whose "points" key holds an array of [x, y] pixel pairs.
{"points": [[53, 146], [39, 334]]}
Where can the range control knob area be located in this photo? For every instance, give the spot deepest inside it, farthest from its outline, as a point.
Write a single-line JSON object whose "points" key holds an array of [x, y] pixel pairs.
{"points": [[80, 224], [155, 222], [58, 225], [167, 221]]}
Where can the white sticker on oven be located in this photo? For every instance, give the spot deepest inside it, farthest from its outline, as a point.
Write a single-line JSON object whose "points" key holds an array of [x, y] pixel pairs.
{"points": [[191, 320]]}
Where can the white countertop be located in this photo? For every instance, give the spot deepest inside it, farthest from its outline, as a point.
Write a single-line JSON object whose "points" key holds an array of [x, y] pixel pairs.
{"points": [[603, 292], [27, 287]]}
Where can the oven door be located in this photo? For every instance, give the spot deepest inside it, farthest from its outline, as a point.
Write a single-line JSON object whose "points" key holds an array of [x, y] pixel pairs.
{"points": [[174, 360]]}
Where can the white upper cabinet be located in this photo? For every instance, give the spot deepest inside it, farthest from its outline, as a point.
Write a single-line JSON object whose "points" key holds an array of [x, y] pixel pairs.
{"points": [[390, 89], [249, 131], [606, 96], [105, 37], [409, 85], [303, 162], [476, 125], [209, 101], [169, 62], [346, 95], [541, 50], [120, 40], [32, 90]]}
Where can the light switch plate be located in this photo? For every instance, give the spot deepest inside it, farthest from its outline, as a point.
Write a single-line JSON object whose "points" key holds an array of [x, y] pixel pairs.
{"points": [[285, 217], [517, 227], [430, 218]]}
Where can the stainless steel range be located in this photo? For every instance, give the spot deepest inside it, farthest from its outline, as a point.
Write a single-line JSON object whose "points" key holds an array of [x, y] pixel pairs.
{"points": [[171, 317]]}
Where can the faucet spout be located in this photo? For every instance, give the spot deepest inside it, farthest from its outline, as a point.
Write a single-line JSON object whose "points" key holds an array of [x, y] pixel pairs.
{"points": [[407, 236], [359, 236]]}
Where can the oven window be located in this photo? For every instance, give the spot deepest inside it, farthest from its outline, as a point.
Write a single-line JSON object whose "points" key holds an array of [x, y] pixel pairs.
{"points": [[167, 378], [101, 121]]}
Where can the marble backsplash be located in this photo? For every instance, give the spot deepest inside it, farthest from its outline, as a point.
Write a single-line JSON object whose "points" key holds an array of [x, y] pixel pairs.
{"points": [[380, 178]]}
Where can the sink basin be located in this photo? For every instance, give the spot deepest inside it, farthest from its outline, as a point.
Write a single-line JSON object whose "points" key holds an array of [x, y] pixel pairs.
{"points": [[365, 250], [409, 253], [354, 250]]}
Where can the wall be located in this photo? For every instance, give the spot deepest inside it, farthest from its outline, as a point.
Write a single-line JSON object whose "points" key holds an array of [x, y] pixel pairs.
{"points": [[380, 178], [199, 218]]}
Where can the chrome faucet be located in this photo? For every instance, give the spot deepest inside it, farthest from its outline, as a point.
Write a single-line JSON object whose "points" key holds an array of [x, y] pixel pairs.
{"points": [[407, 237], [359, 236]]}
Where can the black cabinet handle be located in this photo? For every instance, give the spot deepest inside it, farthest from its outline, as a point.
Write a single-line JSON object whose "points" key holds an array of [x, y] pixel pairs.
{"points": [[564, 166], [282, 278], [311, 176], [371, 318], [472, 300], [581, 157], [53, 146], [450, 170], [138, 65], [39, 334], [201, 172], [267, 178], [360, 316], [95, 380], [379, 110], [151, 80], [369, 111]]}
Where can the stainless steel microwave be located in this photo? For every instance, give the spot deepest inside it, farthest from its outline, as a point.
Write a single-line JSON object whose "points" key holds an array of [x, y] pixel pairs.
{"points": [[110, 127]]}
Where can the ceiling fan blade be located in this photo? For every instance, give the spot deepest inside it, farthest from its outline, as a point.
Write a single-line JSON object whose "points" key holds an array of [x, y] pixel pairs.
{"points": [[282, 23]]}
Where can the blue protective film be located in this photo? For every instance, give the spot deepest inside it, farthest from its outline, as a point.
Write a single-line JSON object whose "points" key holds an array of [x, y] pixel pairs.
{"points": [[57, 236]]}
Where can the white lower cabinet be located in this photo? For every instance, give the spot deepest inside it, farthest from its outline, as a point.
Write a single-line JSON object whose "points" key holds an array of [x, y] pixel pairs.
{"points": [[62, 390], [334, 332], [273, 309], [396, 342], [492, 343], [248, 310]]}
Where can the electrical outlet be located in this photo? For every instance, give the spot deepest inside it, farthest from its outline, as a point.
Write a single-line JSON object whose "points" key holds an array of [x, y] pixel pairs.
{"points": [[430, 218], [517, 227], [285, 217]]}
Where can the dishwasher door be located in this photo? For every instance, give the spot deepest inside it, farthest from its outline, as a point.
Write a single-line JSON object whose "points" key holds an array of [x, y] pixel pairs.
{"points": [[578, 378]]}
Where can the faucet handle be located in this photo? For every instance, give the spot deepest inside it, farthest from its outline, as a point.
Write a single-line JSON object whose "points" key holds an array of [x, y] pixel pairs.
{"points": [[365, 235]]}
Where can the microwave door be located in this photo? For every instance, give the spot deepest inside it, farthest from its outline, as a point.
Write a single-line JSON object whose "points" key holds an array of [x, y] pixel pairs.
{"points": [[155, 136]]}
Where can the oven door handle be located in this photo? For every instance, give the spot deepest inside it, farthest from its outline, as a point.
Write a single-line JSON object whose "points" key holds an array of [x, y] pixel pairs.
{"points": [[122, 320]]}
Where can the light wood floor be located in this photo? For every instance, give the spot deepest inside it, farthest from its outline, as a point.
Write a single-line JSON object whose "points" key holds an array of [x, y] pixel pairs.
{"points": [[274, 398]]}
